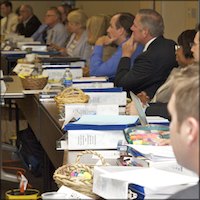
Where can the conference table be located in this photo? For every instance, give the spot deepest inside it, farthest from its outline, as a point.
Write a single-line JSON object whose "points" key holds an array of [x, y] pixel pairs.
{"points": [[10, 58], [43, 118]]}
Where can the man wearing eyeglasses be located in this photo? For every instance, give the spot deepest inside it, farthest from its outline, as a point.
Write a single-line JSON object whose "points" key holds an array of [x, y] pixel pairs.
{"points": [[56, 32]]}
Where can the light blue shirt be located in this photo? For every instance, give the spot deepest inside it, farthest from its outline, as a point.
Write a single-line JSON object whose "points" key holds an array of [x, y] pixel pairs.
{"points": [[109, 67], [38, 35], [57, 35]]}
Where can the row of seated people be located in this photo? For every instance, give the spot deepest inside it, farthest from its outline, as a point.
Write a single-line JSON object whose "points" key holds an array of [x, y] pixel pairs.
{"points": [[187, 56], [142, 62], [131, 51], [24, 21]]}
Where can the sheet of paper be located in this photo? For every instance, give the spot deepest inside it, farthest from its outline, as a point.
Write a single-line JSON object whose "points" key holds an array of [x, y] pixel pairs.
{"points": [[72, 194], [93, 85], [154, 151], [107, 98], [90, 79], [107, 119], [107, 110], [92, 109], [24, 69], [68, 117], [156, 119]]}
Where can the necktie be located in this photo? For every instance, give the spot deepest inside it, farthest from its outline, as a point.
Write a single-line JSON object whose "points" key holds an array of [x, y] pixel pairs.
{"points": [[44, 35], [51, 37]]}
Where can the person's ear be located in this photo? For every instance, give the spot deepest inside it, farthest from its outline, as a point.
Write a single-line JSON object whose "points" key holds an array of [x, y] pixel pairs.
{"points": [[145, 32], [191, 130], [121, 31]]}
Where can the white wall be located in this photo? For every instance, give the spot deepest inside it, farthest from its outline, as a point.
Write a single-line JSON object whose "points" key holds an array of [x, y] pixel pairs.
{"points": [[178, 16], [107, 7]]}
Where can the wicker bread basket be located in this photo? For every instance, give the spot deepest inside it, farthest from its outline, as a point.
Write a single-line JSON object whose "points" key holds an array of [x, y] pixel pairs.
{"points": [[33, 83], [70, 95], [62, 175]]}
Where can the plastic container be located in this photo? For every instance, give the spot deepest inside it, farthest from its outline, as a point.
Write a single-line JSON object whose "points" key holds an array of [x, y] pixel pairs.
{"points": [[28, 194], [146, 135], [53, 195], [67, 78]]}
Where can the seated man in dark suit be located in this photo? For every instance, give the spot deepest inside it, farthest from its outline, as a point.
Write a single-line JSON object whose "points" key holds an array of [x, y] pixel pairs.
{"points": [[152, 67], [159, 108], [30, 23]]}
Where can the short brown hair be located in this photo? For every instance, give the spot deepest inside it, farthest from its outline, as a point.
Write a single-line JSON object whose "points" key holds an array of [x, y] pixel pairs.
{"points": [[125, 20], [186, 91]]}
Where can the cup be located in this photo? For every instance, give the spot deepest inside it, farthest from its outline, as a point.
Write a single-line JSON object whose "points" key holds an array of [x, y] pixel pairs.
{"points": [[53, 195], [28, 194]]}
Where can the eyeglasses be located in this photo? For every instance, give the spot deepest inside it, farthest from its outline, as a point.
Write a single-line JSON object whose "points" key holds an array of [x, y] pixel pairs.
{"points": [[177, 47]]}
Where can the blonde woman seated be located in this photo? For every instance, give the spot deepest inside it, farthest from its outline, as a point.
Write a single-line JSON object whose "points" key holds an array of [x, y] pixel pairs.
{"points": [[97, 26], [77, 45]]}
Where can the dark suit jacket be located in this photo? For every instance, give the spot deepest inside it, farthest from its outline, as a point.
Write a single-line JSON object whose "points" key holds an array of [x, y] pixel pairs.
{"points": [[150, 70], [158, 109], [30, 28]]}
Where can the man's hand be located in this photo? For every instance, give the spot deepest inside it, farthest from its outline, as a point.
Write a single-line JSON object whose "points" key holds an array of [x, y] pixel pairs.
{"points": [[63, 51], [86, 71], [104, 40], [129, 47], [54, 47], [131, 109], [144, 98]]}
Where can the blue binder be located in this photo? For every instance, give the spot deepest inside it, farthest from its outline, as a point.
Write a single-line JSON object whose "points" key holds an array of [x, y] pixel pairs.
{"points": [[102, 122], [71, 126], [115, 89]]}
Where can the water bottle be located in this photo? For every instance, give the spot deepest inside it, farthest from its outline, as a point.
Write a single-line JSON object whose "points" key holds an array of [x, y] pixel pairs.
{"points": [[67, 78]]}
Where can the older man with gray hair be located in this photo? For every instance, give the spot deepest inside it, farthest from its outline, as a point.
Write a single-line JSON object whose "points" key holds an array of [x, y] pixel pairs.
{"points": [[30, 23], [56, 31]]}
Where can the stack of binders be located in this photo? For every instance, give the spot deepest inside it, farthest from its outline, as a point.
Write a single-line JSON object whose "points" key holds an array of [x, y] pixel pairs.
{"points": [[97, 131]]}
